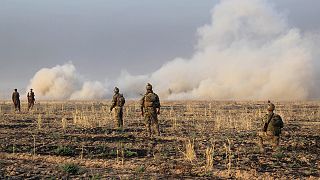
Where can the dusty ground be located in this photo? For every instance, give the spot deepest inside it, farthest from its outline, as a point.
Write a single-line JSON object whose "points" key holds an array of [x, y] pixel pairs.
{"points": [[77, 140]]}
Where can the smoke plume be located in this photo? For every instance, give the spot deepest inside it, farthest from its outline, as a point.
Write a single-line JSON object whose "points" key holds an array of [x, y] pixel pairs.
{"points": [[63, 82], [247, 52]]}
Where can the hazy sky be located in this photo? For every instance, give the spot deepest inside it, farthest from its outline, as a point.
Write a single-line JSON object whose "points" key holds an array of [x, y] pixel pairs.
{"points": [[102, 37]]}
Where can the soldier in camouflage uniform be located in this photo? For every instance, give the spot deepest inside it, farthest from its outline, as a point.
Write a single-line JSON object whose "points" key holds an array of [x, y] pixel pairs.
{"points": [[272, 124], [150, 108], [31, 99], [117, 104], [16, 100]]}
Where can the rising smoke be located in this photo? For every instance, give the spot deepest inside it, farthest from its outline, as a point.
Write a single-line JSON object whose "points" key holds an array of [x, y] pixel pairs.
{"points": [[63, 82], [247, 52]]}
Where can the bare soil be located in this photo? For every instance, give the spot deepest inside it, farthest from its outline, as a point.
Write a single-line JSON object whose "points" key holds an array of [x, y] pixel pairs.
{"points": [[33, 149]]}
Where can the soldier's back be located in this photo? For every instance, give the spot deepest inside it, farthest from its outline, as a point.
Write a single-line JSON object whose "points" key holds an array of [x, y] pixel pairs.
{"points": [[15, 95], [275, 125]]}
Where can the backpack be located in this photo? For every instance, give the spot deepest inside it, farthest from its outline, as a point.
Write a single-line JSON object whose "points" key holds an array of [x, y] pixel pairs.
{"points": [[31, 96], [277, 121], [276, 125]]}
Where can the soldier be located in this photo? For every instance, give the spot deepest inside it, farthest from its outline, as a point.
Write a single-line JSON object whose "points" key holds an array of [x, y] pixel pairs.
{"points": [[118, 102], [31, 99], [16, 100], [150, 108], [272, 124]]}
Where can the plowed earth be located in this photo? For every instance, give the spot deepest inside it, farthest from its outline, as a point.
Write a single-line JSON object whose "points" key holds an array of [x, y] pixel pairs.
{"points": [[37, 145]]}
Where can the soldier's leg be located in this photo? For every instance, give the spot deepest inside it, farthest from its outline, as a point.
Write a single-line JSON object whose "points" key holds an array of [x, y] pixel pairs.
{"points": [[275, 142], [118, 120], [117, 111], [147, 120], [19, 108], [260, 136], [31, 106], [155, 125], [115, 116], [152, 122], [121, 118], [16, 105]]}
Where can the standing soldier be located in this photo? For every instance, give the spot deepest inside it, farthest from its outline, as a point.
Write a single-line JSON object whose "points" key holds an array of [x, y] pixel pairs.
{"points": [[31, 99], [16, 100], [118, 102], [150, 108], [272, 124]]}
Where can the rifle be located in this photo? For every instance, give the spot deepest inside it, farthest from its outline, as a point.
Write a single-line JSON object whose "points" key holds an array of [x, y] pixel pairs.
{"points": [[265, 127]]}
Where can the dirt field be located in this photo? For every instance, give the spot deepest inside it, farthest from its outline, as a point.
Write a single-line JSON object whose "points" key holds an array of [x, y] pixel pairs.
{"points": [[199, 140]]}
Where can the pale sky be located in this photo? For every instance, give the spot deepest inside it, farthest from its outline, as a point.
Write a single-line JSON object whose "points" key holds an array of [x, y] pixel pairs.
{"points": [[103, 37]]}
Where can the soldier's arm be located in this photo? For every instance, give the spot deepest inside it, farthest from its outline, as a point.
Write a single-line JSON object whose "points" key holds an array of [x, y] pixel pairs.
{"points": [[113, 103], [158, 104], [142, 105]]}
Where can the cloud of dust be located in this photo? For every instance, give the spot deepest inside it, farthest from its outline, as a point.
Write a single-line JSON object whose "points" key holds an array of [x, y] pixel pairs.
{"points": [[63, 82], [247, 52]]}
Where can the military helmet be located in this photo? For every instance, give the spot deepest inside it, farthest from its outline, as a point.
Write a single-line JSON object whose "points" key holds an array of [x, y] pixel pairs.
{"points": [[116, 90], [149, 86], [271, 106]]}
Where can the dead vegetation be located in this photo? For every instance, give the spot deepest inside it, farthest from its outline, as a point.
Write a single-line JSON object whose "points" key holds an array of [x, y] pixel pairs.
{"points": [[198, 140]]}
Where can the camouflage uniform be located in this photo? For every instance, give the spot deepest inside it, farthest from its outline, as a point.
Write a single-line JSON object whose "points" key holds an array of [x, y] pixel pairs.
{"points": [[150, 108], [31, 99], [117, 104], [16, 100], [272, 128]]}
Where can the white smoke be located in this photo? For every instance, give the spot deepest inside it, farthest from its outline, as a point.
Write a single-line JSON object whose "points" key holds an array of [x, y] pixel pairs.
{"points": [[63, 82], [131, 86], [247, 52], [89, 90]]}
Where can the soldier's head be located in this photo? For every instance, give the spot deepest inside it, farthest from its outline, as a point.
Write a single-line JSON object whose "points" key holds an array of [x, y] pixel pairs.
{"points": [[31, 90], [149, 87], [15, 90], [271, 107], [116, 90]]}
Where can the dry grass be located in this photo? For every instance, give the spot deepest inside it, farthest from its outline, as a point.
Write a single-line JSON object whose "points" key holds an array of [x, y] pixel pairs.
{"points": [[217, 140], [209, 159], [190, 154], [64, 124], [39, 122]]}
